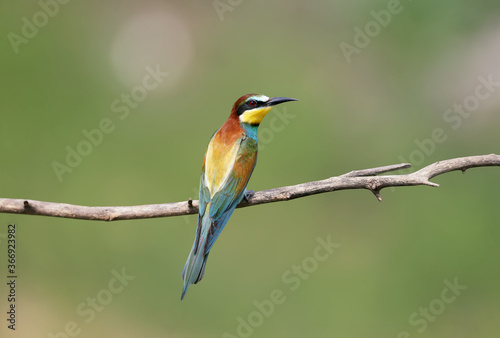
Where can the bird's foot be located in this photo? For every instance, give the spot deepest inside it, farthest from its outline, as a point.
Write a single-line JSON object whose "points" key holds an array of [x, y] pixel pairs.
{"points": [[248, 194]]}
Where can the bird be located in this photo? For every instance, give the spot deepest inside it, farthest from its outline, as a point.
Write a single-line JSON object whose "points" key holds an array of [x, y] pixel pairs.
{"points": [[228, 164]]}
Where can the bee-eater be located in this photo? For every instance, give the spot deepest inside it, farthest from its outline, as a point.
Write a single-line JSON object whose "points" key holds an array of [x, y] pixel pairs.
{"points": [[227, 167]]}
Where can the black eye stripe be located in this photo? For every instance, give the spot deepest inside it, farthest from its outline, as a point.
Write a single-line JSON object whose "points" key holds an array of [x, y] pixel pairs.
{"points": [[253, 104], [248, 106]]}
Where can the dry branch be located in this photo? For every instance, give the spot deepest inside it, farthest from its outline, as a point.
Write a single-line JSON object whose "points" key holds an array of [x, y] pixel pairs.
{"points": [[359, 179]]}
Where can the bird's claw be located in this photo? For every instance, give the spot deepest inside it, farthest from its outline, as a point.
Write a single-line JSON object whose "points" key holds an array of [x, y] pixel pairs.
{"points": [[248, 194]]}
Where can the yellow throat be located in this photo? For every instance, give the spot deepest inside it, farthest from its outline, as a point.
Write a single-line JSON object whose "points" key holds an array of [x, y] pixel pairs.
{"points": [[255, 116]]}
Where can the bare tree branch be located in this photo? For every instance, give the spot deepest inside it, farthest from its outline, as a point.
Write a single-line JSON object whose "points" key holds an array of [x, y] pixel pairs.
{"points": [[359, 179]]}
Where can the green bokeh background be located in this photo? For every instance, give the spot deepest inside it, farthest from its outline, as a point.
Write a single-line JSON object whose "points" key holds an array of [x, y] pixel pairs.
{"points": [[393, 257]]}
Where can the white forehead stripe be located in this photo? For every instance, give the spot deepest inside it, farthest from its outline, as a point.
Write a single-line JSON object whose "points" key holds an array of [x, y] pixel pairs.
{"points": [[262, 98]]}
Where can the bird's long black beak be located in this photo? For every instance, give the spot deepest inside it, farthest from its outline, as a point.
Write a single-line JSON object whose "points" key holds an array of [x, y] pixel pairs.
{"points": [[277, 100]]}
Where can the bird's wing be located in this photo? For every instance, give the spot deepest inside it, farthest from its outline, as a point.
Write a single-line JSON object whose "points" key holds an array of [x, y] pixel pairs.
{"points": [[203, 202], [231, 191]]}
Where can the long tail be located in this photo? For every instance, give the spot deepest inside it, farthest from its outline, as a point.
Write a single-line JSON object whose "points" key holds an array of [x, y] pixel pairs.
{"points": [[194, 269]]}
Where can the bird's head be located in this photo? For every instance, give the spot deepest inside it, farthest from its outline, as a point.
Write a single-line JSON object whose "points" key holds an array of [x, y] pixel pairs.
{"points": [[252, 108]]}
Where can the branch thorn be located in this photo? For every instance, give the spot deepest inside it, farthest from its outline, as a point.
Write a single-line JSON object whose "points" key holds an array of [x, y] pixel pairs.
{"points": [[432, 184], [376, 192]]}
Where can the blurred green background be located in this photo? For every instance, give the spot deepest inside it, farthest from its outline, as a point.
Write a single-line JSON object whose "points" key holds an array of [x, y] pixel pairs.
{"points": [[376, 106]]}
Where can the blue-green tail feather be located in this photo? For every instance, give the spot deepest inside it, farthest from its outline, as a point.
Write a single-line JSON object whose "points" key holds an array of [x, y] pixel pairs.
{"points": [[209, 228], [194, 269]]}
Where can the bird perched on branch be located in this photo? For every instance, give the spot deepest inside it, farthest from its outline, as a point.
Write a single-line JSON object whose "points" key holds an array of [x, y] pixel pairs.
{"points": [[227, 167]]}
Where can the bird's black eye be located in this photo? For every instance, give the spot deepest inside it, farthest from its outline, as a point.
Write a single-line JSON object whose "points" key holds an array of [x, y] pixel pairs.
{"points": [[252, 103]]}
